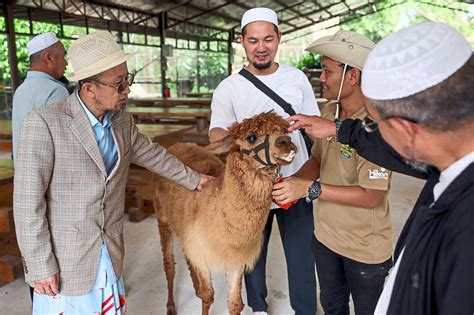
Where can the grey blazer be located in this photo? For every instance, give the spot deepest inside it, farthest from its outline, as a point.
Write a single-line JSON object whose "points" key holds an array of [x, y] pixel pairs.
{"points": [[65, 205]]}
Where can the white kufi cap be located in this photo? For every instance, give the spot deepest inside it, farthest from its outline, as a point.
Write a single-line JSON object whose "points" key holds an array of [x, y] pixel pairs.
{"points": [[413, 60], [259, 14], [40, 42]]}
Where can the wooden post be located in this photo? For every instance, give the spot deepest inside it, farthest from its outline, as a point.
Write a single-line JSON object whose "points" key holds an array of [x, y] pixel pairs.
{"points": [[10, 262], [162, 53], [12, 58], [198, 67], [10, 269], [230, 51]]}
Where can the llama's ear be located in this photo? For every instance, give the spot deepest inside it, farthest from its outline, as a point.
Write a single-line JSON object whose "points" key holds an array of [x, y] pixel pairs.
{"points": [[223, 146]]}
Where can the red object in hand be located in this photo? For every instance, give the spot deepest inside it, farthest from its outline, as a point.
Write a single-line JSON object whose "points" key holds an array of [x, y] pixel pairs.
{"points": [[286, 205]]}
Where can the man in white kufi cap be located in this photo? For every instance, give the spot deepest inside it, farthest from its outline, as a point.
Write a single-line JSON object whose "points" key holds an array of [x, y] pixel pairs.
{"points": [[70, 174], [352, 228], [418, 83], [235, 99], [41, 86]]}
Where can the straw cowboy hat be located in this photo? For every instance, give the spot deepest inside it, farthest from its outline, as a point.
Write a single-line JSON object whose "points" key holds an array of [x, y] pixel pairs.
{"points": [[93, 54], [345, 46]]}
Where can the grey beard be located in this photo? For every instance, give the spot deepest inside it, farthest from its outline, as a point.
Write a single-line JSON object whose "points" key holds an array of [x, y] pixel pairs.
{"points": [[416, 165], [262, 66]]}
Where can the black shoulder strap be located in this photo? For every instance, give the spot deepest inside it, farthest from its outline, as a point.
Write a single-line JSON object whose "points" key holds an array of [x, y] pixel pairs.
{"points": [[269, 92]]}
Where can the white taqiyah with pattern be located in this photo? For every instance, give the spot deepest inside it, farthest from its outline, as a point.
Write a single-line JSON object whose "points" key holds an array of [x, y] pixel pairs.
{"points": [[413, 59]]}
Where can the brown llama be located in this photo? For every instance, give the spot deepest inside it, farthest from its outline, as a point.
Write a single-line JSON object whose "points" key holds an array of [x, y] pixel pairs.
{"points": [[221, 228]]}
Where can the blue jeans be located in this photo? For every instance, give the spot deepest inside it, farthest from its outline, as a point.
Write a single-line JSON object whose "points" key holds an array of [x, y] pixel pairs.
{"points": [[340, 276], [296, 227]]}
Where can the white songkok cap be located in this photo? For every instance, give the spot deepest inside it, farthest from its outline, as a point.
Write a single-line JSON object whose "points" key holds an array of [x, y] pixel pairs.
{"points": [[259, 14], [413, 60], [40, 42]]}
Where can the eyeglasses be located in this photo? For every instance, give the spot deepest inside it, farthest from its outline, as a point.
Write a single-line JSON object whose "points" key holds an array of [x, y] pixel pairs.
{"points": [[370, 126], [121, 86]]}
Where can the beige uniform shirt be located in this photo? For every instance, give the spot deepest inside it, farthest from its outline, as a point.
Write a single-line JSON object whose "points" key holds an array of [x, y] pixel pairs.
{"points": [[360, 234]]}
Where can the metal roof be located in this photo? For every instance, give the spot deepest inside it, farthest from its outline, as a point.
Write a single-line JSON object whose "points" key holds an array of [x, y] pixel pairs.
{"points": [[203, 20]]}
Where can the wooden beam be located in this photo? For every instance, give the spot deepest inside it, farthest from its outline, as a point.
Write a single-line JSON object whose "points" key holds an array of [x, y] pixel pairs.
{"points": [[342, 20], [202, 13], [162, 54], [230, 51], [12, 57], [325, 8], [286, 7], [227, 17]]}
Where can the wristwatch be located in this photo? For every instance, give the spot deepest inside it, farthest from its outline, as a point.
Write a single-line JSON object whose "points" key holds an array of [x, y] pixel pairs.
{"points": [[314, 191]]}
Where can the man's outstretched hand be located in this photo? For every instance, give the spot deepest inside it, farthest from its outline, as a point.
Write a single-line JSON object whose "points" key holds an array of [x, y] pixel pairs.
{"points": [[315, 126]]}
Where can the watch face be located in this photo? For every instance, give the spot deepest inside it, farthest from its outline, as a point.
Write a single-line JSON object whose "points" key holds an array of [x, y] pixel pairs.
{"points": [[314, 190]]}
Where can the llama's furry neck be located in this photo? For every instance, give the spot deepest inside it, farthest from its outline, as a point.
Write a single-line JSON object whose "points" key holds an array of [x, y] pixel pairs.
{"points": [[250, 202]]}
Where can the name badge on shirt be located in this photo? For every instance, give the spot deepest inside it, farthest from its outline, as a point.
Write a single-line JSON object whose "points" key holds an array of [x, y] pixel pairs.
{"points": [[345, 151]]}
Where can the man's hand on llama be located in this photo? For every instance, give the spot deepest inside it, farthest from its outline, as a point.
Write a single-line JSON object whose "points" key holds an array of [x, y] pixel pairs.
{"points": [[315, 126], [290, 189], [203, 181]]}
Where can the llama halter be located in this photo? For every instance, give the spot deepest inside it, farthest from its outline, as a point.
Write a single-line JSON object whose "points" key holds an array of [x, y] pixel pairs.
{"points": [[265, 145]]}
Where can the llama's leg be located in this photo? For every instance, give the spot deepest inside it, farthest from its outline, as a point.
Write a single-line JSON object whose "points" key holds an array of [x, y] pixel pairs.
{"points": [[234, 287], [166, 238], [203, 287]]}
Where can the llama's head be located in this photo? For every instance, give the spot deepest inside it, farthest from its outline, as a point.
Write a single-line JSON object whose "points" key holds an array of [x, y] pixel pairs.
{"points": [[264, 137]]}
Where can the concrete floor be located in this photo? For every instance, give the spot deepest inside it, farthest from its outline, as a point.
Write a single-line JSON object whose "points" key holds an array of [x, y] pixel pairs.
{"points": [[145, 279]]}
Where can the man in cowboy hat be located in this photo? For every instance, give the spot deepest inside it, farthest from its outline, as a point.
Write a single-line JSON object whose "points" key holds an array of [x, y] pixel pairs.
{"points": [[70, 175], [235, 99], [418, 84], [353, 236], [41, 86]]}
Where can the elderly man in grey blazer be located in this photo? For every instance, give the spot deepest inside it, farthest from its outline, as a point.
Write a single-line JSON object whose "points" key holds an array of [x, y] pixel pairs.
{"points": [[70, 175]]}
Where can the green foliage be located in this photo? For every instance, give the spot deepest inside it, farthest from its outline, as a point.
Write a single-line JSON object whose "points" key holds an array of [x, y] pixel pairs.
{"points": [[74, 31], [391, 16], [309, 60], [212, 63], [212, 70], [213, 66], [394, 16], [22, 27], [41, 27], [183, 70], [22, 52]]}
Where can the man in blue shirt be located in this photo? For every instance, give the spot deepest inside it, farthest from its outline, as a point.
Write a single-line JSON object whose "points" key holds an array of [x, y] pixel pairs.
{"points": [[41, 86]]}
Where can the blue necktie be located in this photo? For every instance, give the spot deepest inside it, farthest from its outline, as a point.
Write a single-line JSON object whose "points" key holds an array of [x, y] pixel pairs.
{"points": [[106, 145]]}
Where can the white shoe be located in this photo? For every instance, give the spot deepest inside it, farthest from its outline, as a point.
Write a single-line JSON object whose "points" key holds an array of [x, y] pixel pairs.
{"points": [[260, 313]]}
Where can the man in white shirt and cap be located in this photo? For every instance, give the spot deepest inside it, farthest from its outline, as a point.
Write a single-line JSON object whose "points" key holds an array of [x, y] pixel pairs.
{"points": [[235, 99], [419, 88], [41, 86]]}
